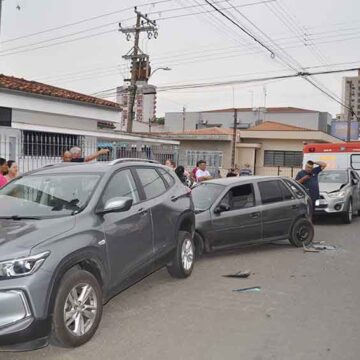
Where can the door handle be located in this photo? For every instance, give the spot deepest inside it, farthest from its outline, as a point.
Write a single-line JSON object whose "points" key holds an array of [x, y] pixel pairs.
{"points": [[254, 215], [142, 211]]}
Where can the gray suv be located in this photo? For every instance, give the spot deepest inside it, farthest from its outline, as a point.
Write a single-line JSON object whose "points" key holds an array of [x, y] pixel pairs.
{"points": [[74, 235], [251, 210]]}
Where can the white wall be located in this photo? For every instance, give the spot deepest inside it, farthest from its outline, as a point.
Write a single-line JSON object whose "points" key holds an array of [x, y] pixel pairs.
{"points": [[18, 101]]}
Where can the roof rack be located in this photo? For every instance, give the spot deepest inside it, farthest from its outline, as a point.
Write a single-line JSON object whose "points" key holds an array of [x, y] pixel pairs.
{"points": [[124, 160]]}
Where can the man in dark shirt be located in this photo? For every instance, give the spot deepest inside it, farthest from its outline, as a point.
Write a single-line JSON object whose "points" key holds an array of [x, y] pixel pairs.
{"points": [[309, 178], [76, 155]]}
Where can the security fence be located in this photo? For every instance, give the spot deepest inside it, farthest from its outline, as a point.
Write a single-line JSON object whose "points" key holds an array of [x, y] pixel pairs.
{"points": [[33, 149], [277, 171]]}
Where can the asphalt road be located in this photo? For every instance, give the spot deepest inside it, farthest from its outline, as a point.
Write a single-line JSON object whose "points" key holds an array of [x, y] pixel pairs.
{"points": [[307, 309]]}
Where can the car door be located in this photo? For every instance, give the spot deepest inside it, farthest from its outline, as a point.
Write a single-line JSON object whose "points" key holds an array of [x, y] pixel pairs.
{"points": [[128, 234], [279, 208], [162, 209], [355, 184], [241, 222]]}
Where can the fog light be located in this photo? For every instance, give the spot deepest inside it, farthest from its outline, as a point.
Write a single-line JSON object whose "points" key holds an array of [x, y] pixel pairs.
{"points": [[337, 207]]}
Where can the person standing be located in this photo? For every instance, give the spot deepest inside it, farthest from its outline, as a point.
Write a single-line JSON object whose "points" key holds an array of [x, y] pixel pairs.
{"points": [[246, 170], [170, 164], [13, 170], [3, 170], [202, 174], [309, 178], [231, 173], [76, 155]]}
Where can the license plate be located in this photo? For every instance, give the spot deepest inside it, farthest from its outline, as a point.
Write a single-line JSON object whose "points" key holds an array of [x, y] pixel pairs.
{"points": [[320, 202]]}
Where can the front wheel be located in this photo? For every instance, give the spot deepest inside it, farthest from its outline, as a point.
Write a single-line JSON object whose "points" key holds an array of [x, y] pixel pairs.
{"points": [[302, 233], [78, 309], [183, 262], [347, 216]]}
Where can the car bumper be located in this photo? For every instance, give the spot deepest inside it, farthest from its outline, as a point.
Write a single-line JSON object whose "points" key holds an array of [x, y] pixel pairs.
{"points": [[24, 313], [330, 205]]}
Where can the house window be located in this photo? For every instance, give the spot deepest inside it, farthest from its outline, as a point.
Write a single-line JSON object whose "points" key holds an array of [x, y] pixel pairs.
{"points": [[213, 159], [5, 116], [283, 158], [37, 143]]}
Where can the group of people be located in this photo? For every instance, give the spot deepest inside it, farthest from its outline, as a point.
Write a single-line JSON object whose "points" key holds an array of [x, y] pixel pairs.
{"points": [[244, 171], [8, 171]]}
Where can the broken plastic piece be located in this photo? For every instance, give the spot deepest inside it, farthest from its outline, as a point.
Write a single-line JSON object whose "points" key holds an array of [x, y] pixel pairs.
{"points": [[324, 247], [240, 274], [311, 249], [249, 289]]}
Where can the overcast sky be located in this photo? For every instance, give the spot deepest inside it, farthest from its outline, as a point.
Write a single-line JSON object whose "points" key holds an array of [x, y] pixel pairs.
{"points": [[198, 48]]}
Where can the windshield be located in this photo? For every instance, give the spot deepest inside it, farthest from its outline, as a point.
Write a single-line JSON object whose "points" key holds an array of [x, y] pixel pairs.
{"points": [[333, 177], [47, 195], [205, 194]]}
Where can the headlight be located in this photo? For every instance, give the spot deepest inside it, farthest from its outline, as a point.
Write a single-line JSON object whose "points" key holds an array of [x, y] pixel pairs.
{"points": [[22, 266], [339, 194]]}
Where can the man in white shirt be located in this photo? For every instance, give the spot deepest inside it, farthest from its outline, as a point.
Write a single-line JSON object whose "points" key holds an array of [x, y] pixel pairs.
{"points": [[202, 174]]}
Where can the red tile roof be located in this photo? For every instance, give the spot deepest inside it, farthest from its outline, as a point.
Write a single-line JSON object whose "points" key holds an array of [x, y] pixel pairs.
{"points": [[275, 126], [268, 110], [34, 87]]}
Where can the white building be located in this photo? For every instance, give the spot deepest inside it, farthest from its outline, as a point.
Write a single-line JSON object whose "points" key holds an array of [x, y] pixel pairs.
{"points": [[247, 117], [144, 106], [351, 96], [38, 122]]}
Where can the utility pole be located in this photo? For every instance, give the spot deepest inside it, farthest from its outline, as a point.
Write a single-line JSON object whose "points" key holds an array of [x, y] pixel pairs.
{"points": [[143, 23], [234, 139], [184, 118], [350, 113], [0, 13]]}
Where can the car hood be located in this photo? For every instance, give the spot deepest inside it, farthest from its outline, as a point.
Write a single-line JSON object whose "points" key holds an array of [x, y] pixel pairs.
{"points": [[330, 187], [18, 237]]}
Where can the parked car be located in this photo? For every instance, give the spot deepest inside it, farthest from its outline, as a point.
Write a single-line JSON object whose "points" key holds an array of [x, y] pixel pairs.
{"points": [[339, 194], [74, 235], [251, 210]]}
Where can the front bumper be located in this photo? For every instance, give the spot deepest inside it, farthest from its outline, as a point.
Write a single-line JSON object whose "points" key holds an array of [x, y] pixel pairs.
{"points": [[328, 205], [24, 313]]}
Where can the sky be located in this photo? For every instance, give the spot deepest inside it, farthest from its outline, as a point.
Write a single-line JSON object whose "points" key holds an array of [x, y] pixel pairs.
{"points": [[39, 41]]}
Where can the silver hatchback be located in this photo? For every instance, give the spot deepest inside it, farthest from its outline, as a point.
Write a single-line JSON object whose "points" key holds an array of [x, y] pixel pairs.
{"points": [[339, 194]]}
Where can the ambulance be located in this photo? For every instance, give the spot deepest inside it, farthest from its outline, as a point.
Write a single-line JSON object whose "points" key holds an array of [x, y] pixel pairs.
{"points": [[344, 155]]}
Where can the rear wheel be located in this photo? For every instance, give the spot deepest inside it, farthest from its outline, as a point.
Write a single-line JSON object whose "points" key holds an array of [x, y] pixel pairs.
{"points": [[183, 262], [78, 309], [347, 216], [302, 233]]}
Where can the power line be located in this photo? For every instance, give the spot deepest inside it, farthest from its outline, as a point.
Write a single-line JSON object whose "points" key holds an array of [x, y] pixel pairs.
{"points": [[241, 28]]}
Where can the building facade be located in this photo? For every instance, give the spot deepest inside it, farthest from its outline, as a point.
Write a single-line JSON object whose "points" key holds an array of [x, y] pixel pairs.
{"points": [[351, 97], [247, 117]]}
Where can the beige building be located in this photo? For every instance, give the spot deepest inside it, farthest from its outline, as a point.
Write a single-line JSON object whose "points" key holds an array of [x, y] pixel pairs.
{"points": [[269, 148], [351, 95]]}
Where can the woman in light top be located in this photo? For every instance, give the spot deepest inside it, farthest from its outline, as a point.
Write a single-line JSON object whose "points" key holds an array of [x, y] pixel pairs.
{"points": [[13, 170]]}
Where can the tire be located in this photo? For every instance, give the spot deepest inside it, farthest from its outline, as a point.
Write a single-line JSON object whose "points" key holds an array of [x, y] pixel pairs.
{"points": [[347, 216], [302, 233], [183, 262], [73, 285], [199, 245]]}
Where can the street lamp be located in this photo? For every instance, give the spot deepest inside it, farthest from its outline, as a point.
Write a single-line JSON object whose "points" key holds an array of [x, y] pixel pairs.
{"points": [[160, 68]]}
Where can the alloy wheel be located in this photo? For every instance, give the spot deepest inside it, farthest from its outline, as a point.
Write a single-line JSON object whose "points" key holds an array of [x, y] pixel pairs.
{"points": [[187, 254], [80, 309]]}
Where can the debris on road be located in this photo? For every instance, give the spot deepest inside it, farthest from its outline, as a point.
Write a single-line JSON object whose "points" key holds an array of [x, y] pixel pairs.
{"points": [[318, 246], [240, 274], [249, 289]]}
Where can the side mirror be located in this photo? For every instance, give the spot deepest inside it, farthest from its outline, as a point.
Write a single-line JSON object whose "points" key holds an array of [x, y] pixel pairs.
{"points": [[355, 181], [117, 204], [221, 208]]}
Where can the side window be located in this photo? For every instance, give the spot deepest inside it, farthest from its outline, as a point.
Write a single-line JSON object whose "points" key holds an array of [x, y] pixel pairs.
{"points": [[270, 192], [287, 194], [240, 197], [122, 184], [151, 181], [167, 176], [297, 189], [355, 161]]}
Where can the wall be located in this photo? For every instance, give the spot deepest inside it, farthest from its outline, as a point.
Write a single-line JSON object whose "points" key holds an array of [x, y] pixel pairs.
{"points": [[245, 156], [19, 101], [47, 119]]}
